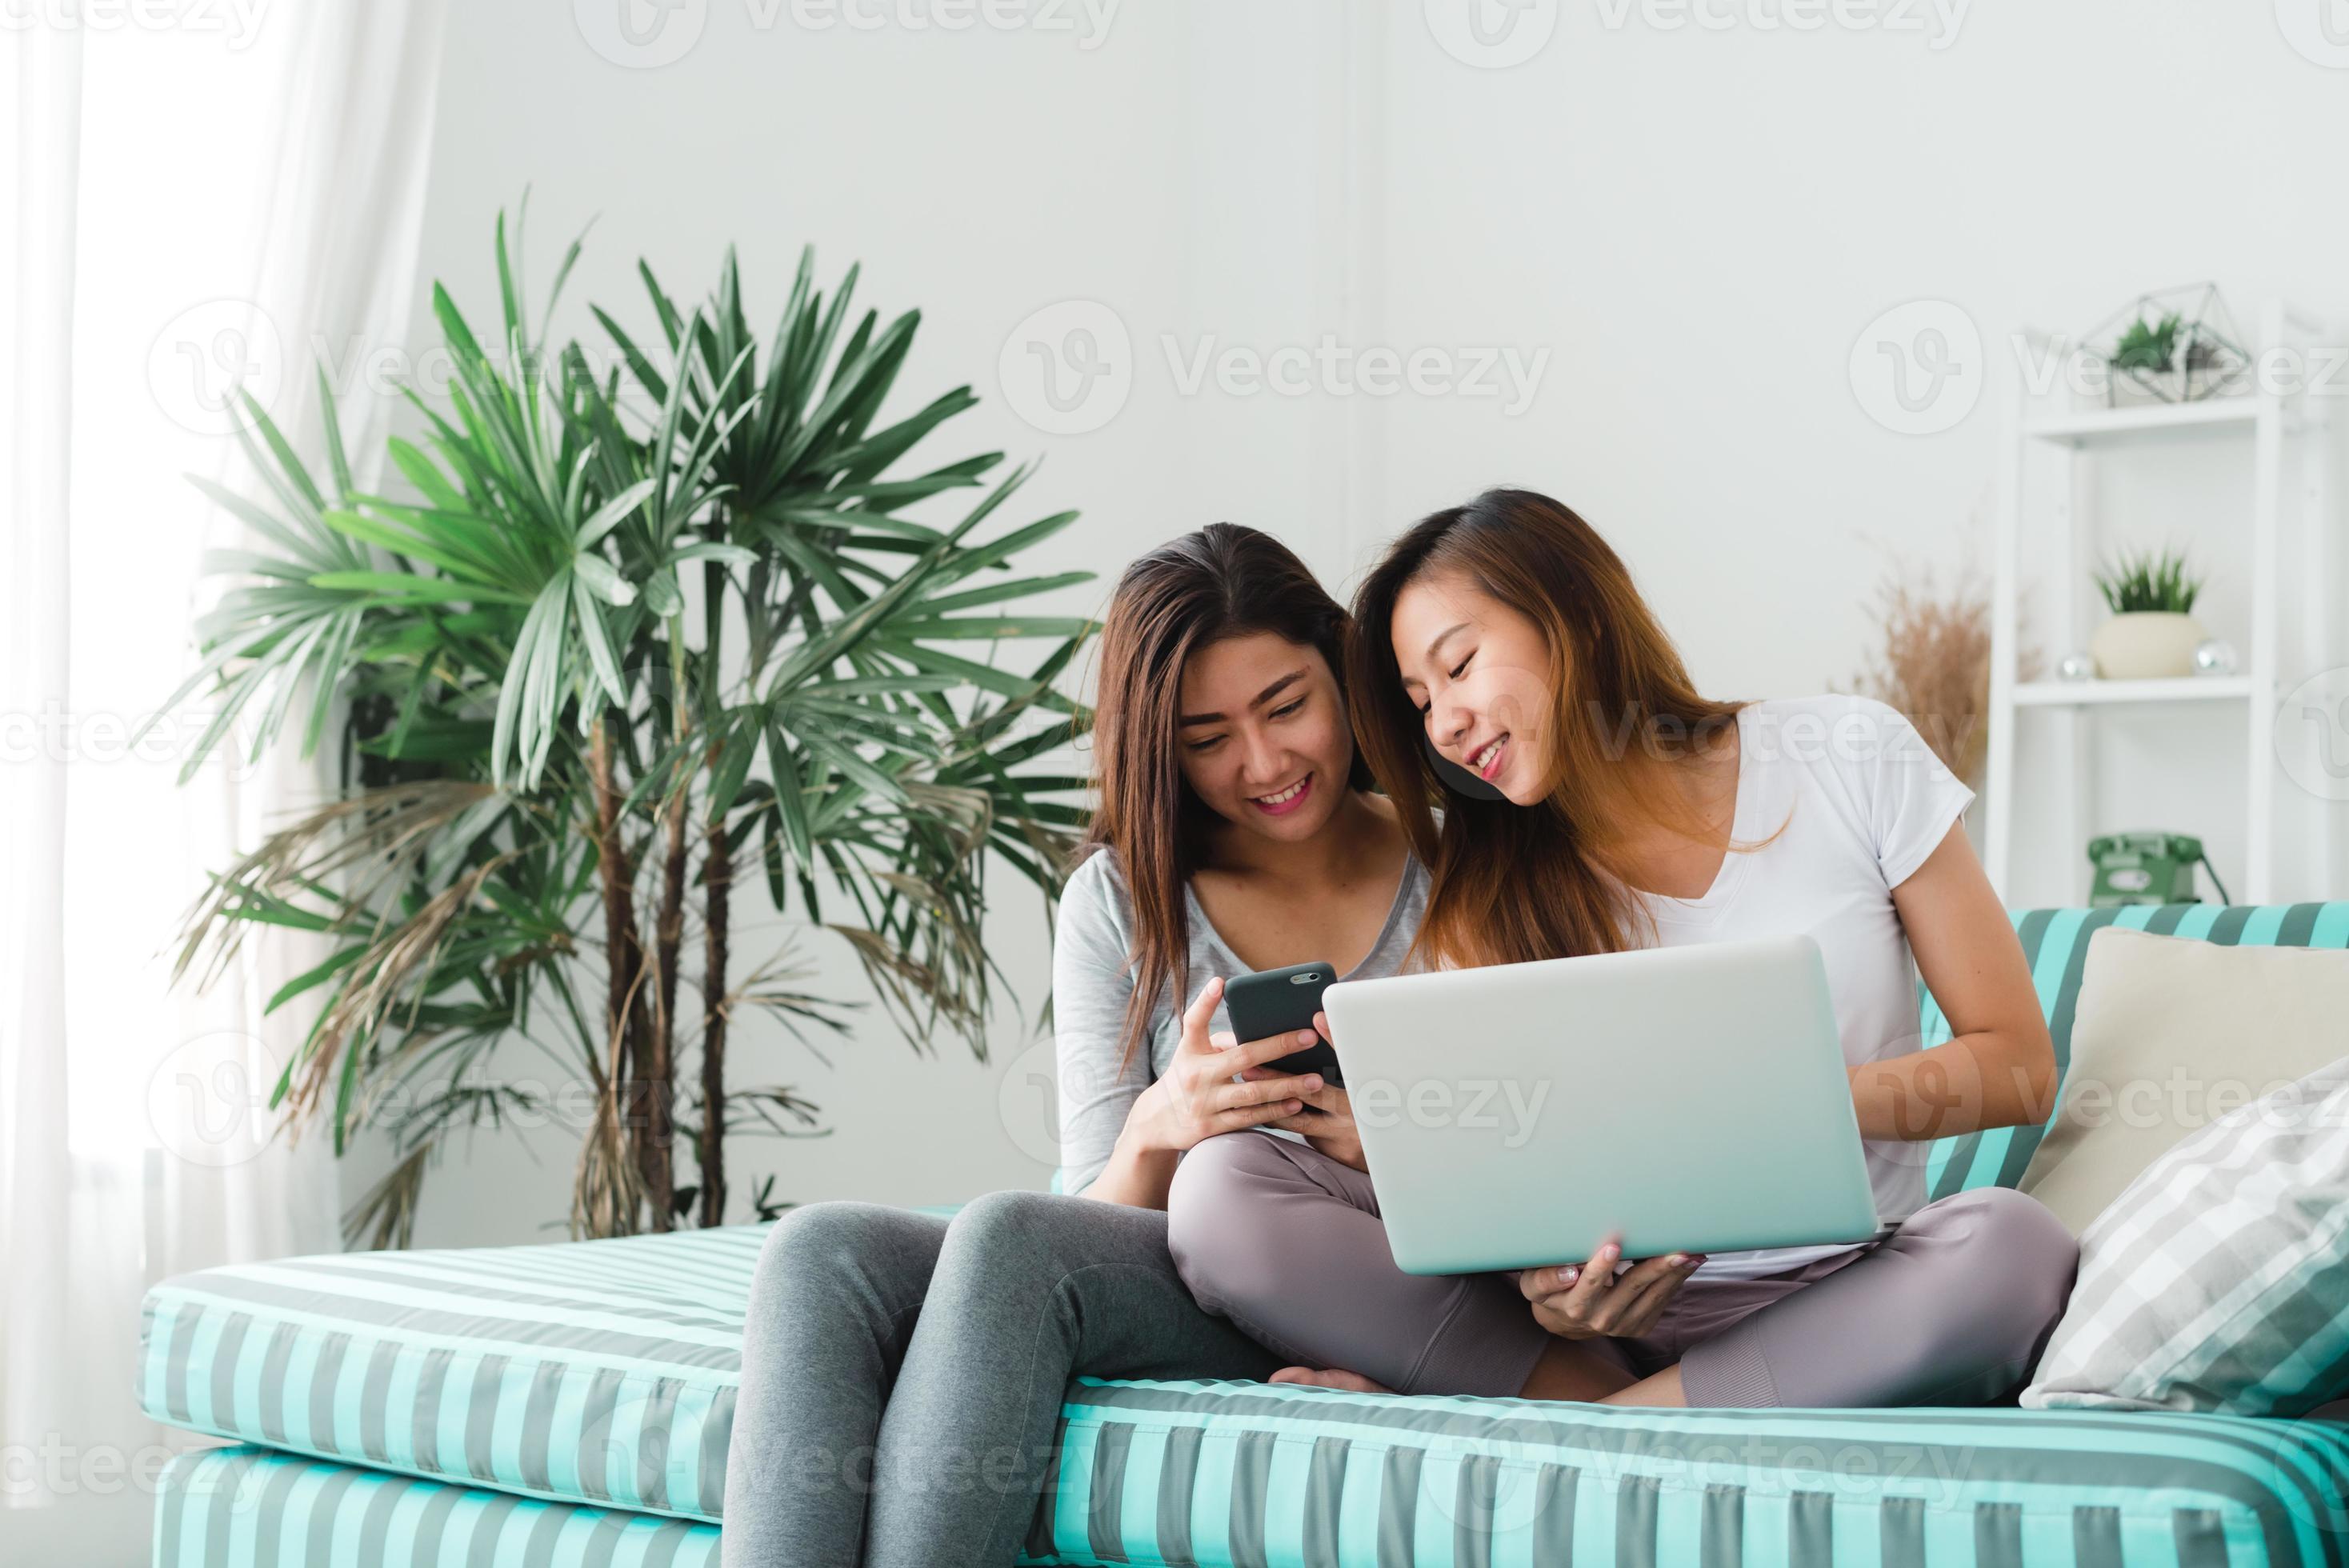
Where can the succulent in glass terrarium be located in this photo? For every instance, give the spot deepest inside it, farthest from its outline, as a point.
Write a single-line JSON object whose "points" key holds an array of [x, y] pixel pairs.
{"points": [[2176, 346], [2145, 347]]}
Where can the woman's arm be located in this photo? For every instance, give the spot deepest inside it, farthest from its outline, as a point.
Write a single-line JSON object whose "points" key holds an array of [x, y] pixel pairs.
{"points": [[1136, 1177], [1998, 1068], [1196, 1098], [1123, 1130], [1091, 982]]}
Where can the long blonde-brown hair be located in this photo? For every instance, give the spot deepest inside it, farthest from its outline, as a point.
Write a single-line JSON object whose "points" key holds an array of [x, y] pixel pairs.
{"points": [[1513, 883]]}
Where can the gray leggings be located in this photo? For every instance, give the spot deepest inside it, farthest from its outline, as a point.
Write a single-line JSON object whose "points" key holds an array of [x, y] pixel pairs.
{"points": [[1952, 1309], [902, 1374]]}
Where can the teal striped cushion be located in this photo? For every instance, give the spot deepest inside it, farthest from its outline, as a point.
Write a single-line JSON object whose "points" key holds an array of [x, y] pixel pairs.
{"points": [[251, 1508], [2056, 943], [594, 1372], [1235, 1473], [1247, 1474], [602, 1372]]}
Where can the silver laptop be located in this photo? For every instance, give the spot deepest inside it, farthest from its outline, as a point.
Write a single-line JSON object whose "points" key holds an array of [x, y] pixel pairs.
{"points": [[1689, 1098]]}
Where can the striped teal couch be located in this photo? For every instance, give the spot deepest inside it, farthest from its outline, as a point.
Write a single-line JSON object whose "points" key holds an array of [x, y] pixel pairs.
{"points": [[569, 1407]]}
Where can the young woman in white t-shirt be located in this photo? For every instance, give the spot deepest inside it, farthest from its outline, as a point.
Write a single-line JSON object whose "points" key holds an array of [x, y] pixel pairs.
{"points": [[1505, 636]]}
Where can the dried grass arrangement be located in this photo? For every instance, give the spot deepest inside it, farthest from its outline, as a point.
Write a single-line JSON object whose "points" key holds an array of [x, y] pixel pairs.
{"points": [[1933, 663]]}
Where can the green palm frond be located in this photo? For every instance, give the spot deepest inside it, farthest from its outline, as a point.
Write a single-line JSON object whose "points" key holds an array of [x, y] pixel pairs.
{"points": [[609, 649]]}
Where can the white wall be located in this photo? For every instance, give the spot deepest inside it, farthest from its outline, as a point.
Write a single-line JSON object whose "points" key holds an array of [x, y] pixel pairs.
{"points": [[1702, 223], [1695, 226]]}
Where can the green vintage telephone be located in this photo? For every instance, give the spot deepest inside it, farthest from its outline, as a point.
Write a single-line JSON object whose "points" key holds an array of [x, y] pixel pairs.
{"points": [[2147, 868]]}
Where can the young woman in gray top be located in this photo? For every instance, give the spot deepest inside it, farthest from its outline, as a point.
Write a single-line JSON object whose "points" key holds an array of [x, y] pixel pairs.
{"points": [[902, 1374]]}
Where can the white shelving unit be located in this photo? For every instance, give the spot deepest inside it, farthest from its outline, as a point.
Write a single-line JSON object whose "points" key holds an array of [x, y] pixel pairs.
{"points": [[2267, 416], [2098, 694]]}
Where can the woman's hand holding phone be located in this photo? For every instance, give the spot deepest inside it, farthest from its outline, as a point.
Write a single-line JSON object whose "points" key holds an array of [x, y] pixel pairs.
{"points": [[1194, 1099], [1328, 1121], [1591, 1300]]}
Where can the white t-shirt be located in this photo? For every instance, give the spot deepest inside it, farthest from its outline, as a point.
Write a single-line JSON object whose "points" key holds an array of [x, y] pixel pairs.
{"points": [[1862, 802]]}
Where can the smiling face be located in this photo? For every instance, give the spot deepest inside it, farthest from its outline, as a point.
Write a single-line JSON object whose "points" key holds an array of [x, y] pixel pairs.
{"points": [[1263, 735], [1480, 674]]}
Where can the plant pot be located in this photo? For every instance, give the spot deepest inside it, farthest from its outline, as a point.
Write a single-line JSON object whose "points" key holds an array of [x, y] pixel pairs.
{"points": [[2137, 388], [2146, 645], [2203, 374]]}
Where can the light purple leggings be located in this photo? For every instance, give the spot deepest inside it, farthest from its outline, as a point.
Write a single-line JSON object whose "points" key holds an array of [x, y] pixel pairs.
{"points": [[1953, 1308]]}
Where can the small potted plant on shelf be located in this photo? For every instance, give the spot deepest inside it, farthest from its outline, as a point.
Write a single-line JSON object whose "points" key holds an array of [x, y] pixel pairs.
{"points": [[2148, 352], [2152, 633], [2177, 345]]}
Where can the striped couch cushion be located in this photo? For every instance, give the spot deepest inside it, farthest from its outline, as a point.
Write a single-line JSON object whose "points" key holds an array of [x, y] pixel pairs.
{"points": [[596, 1372], [253, 1507], [599, 1372], [1226, 1473], [2056, 943], [1247, 1474]]}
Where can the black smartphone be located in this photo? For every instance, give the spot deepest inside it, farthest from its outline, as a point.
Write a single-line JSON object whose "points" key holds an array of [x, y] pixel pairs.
{"points": [[1281, 1002]]}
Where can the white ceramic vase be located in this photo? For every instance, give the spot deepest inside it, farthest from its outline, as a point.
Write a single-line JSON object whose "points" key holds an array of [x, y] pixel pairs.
{"points": [[2146, 645]]}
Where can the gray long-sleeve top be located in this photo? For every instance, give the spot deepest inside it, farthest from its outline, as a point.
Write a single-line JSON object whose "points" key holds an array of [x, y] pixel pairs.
{"points": [[1091, 952]]}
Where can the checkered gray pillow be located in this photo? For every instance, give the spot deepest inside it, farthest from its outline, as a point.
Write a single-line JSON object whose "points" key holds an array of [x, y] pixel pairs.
{"points": [[2217, 1280]]}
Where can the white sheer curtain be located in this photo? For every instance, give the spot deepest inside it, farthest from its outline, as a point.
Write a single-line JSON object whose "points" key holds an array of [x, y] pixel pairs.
{"points": [[195, 198]]}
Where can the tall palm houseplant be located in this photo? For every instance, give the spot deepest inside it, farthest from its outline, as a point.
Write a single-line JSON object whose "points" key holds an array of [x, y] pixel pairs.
{"points": [[629, 638]]}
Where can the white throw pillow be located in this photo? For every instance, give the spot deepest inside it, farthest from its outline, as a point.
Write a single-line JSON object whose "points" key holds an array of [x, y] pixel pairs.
{"points": [[2170, 1034]]}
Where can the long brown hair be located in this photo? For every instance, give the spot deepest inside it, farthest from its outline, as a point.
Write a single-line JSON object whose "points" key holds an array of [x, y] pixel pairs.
{"points": [[1512, 884], [1224, 581]]}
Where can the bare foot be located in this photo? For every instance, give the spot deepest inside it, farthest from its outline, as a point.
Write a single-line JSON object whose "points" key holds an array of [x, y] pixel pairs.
{"points": [[1330, 1377]]}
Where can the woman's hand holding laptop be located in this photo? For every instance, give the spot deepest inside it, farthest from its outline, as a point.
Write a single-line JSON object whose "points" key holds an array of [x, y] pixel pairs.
{"points": [[1587, 1301]]}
